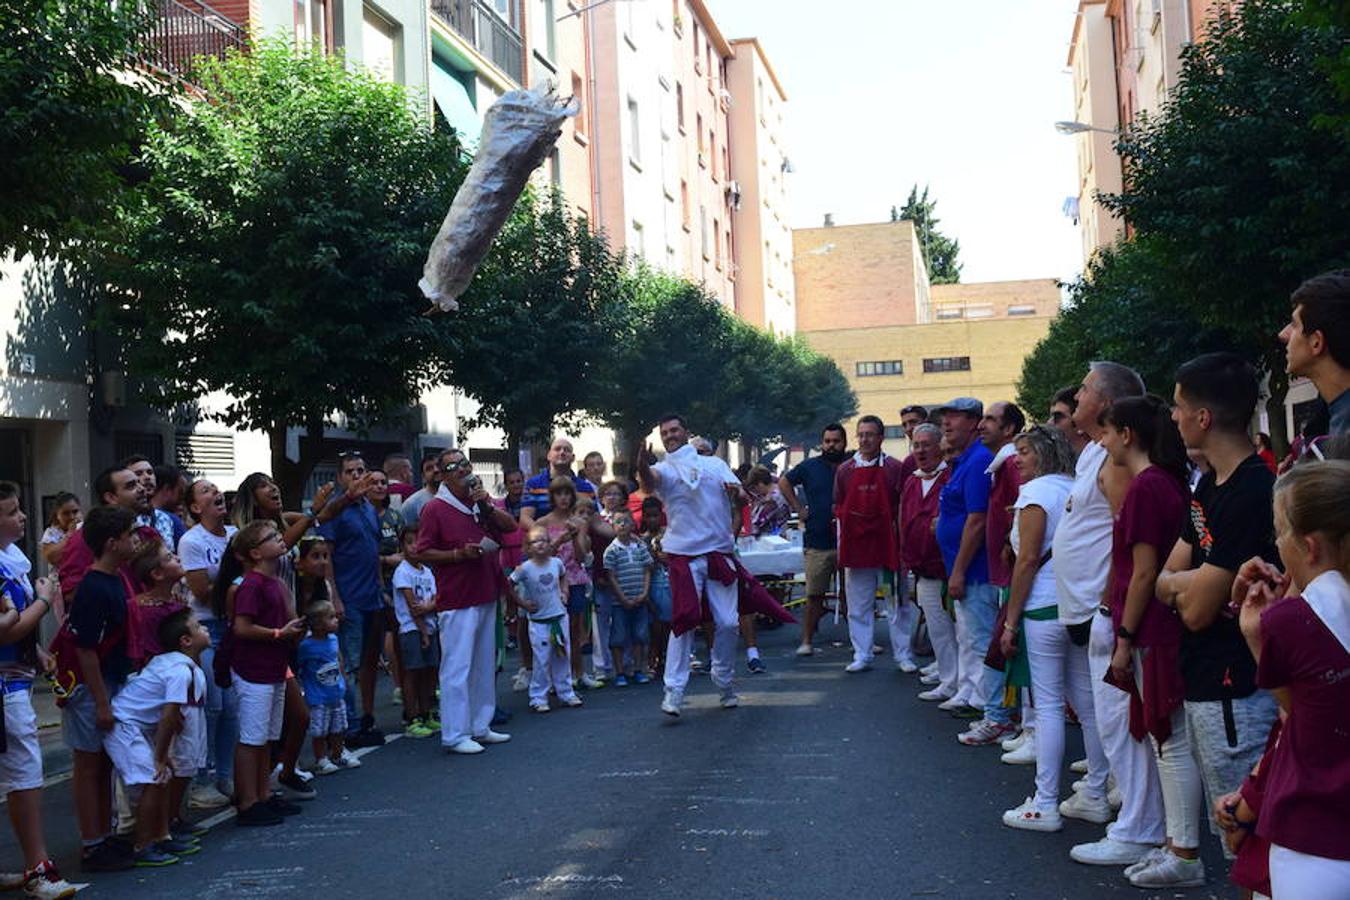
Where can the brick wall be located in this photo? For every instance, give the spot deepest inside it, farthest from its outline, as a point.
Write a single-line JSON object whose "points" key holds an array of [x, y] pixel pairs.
{"points": [[854, 276]]}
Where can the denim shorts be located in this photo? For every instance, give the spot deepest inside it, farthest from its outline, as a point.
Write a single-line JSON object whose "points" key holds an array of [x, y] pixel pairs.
{"points": [[659, 594], [629, 627], [578, 599]]}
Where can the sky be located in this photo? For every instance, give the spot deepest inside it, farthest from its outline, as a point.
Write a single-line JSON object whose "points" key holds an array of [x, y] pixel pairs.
{"points": [[959, 95]]}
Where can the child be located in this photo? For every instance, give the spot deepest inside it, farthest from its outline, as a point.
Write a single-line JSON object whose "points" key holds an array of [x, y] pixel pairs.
{"points": [[158, 739], [97, 629], [258, 665], [653, 516], [21, 612], [415, 610], [158, 571], [320, 671], [542, 580], [629, 564]]}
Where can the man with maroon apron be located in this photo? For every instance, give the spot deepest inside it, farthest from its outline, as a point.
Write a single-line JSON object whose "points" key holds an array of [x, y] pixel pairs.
{"points": [[867, 504]]}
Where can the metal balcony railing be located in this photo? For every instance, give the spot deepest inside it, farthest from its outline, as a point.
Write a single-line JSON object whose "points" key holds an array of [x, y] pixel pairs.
{"points": [[486, 31], [185, 30]]}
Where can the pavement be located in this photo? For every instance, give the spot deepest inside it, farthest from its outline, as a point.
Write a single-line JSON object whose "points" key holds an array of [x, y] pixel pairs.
{"points": [[822, 784]]}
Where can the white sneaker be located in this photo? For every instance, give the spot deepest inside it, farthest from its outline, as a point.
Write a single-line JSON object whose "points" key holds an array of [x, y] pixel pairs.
{"points": [[466, 746], [930, 669], [805, 650], [1109, 852], [952, 703], [1114, 798], [1029, 818], [521, 680], [205, 796], [541, 707], [1078, 767], [46, 883], [1154, 856], [984, 732], [671, 703], [906, 666], [936, 694], [930, 680], [1169, 872], [1016, 740], [590, 682], [1089, 809], [1024, 754], [572, 701], [492, 737], [857, 666], [728, 699], [326, 766], [348, 760], [303, 775]]}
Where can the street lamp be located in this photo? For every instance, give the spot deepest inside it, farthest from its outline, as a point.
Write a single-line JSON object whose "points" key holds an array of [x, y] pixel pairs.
{"points": [[1080, 127]]}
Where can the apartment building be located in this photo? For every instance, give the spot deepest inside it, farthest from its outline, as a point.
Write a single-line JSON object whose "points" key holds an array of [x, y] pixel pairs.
{"points": [[765, 292]]}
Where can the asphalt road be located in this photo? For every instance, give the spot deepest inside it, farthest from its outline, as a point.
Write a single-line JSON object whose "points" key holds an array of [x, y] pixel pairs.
{"points": [[821, 784]]}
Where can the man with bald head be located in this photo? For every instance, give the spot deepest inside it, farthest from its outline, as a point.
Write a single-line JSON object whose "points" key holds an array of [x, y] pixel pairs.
{"points": [[536, 503]]}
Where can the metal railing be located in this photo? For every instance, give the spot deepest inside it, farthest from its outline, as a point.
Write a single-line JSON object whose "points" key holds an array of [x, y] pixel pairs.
{"points": [[487, 32], [185, 30]]}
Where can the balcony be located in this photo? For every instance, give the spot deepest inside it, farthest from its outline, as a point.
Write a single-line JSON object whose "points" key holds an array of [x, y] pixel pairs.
{"points": [[185, 30], [477, 23]]}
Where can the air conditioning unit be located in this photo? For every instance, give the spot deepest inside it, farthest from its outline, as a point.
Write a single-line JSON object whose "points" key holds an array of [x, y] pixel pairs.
{"points": [[734, 192]]}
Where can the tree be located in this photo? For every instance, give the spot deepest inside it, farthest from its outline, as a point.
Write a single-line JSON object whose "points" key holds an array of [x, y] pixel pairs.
{"points": [[71, 116], [1236, 182], [272, 251], [939, 251], [535, 326]]}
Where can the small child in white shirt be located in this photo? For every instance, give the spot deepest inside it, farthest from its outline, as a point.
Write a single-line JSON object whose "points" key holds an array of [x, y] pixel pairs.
{"points": [[539, 583], [420, 647]]}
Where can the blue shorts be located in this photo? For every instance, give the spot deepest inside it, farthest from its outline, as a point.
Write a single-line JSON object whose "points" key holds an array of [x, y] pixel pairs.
{"points": [[629, 627], [578, 599]]}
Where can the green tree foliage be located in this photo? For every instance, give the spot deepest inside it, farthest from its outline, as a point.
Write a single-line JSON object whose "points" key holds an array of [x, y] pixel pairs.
{"points": [[70, 117], [535, 327], [1247, 195], [940, 253], [272, 251], [1334, 17]]}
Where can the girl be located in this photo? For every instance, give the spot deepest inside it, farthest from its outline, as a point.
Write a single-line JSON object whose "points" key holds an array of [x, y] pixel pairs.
{"points": [[1141, 437], [66, 517], [314, 585], [658, 599], [1059, 669], [539, 585], [263, 633], [569, 536], [1302, 648]]}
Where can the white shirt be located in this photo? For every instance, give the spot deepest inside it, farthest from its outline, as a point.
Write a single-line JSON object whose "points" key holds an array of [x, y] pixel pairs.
{"points": [[1050, 493], [698, 513], [167, 678], [18, 567], [1329, 597], [539, 583], [200, 549], [928, 479], [423, 585], [1083, 543]]}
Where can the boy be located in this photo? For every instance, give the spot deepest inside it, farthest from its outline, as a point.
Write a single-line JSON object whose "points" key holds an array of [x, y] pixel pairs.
{"points": [[629, 564], [21, 610], [542, 579], [319, 666], [158, 739], [414, 608], [158, 571], [97, 625]]}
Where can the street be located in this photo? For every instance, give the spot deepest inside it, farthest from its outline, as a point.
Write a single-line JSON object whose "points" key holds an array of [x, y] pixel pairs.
{"points": [[821, 784]]}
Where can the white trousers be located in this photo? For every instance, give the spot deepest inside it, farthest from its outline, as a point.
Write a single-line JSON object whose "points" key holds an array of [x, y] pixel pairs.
{"points": [[1295, 875], [941, 633], [860, 587], [600, 624], [1178, 775], [901, 617], [722, 598], [1059, 671], [551, 668], [468, 674], [1140, 820]]}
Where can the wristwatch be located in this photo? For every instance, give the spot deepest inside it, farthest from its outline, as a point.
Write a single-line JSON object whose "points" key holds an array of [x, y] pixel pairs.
{"points": [[1123, 632]]}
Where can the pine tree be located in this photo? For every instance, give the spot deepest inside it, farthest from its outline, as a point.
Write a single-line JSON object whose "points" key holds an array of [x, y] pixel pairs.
{"points": [[939, 251]]}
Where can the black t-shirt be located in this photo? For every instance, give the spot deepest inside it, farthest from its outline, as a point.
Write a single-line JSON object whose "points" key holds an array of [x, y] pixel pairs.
{"points": [[99, 611], [1229, 524]]}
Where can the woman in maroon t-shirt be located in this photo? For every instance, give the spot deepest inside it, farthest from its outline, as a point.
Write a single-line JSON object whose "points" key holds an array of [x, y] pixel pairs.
{"points": [[1302, 648]]}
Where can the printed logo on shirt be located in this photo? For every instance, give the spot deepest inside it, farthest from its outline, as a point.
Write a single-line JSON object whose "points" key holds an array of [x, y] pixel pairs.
{"points": [[546, 579], [1201, 526], [328, 674]]}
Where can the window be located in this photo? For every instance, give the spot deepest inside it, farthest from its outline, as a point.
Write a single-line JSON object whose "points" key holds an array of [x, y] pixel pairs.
{"points": [[895, 432], [712, 151], [634, 141], [951, 312], [679, 106], [555, 168], [947, 364], [883, 367], [380, 41], [639, 240], [314, 23], [684, 204], [1022, 310], [579, 124], [698, 129], [703, 229], [544, 34], [717, 242], [697, 38], [203, 454], [506, 9]]}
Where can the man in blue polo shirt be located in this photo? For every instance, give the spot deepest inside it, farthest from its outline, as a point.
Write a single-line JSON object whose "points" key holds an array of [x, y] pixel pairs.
{"points": [[355, 536], [815, 476], [536, 504], [962, 508]]}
